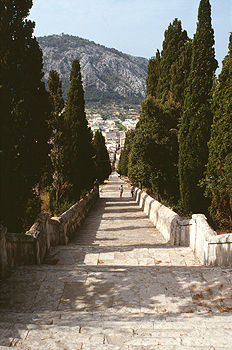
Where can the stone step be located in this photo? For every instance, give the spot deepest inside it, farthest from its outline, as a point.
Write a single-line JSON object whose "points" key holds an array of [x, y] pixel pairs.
{"points": [[72, 332], [98, 319], [113, 347], [156, 320], [94, 342]]}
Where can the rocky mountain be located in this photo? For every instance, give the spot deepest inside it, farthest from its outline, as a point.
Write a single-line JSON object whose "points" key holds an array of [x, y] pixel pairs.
{"points": [[108, 74]]}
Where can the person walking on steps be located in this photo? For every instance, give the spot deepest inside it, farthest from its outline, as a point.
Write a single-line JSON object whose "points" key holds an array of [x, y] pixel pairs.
{"points": [[121, 190], [132, 191]]}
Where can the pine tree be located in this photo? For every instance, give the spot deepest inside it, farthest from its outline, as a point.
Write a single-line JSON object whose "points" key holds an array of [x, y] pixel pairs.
{"points": [[101, 159], [24, 111], [219, 168], [78, 167], [196, 120], [56, 122]]}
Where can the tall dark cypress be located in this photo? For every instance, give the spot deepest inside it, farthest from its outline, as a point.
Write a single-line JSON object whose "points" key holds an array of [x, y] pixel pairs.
{"points": [[78, 166], [174, 41], [179, 72], [125, 153], [219, 167], [56, 122], [153, 74], [55, 96], [101, 158], [153, 154], [196, 120], [153, 158], [24, 111]]}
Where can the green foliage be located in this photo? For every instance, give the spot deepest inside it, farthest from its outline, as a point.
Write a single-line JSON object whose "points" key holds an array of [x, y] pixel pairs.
{"points": [[179, 72], [153, 157], [173, 44], [55, 96], [219, 190], [102, 98], [101, 158], [24, 111], [63, 42], [33, 208], [167, 73], [197, 117], [124, 156], [56, 122], [78, 167], [57, 208], [119, 125], [153, 74], [218, 181]]}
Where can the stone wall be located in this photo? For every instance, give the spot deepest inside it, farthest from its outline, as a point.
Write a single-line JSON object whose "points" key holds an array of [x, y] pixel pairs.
{"points": [[210, 248], [30, 248], [162, 217]]}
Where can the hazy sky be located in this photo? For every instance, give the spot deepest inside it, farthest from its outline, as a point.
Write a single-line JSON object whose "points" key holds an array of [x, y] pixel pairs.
{"points": [[135, 27]]}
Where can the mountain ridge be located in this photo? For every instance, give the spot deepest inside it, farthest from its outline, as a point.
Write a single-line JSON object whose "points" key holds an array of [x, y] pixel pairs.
{"points": [[107, 74]]}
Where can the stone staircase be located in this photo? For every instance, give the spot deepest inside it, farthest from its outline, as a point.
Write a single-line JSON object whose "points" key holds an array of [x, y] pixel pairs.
{"points": [[131, 332], [118, 286]]}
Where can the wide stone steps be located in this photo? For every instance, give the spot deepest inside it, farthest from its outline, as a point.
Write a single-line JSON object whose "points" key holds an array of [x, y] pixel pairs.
{"points": [[119, 285], [95, 331]]}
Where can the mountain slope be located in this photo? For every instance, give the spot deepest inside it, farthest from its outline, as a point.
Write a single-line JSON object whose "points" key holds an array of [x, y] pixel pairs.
{"points": [[107, 74]]}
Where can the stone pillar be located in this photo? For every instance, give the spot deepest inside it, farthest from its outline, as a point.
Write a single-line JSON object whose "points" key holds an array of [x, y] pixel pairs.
{"points": [[184, 232], [3, 252]]}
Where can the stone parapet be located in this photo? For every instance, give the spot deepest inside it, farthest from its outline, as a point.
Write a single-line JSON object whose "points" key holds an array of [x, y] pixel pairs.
{"points": [[30, 248], [72, 219], [165, 220], [210, 248], [3, 251]]}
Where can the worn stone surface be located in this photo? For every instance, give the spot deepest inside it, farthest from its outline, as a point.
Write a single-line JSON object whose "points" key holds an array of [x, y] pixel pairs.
{"points": [[118, 285]]}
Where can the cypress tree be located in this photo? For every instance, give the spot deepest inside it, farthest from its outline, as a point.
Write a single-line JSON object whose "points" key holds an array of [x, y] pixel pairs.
{"points": [[78, 167], [219, 167], [167, 73], [56, 97], [125, 153], [101, 158], [153, 74], [196, 120], [174, 40], [56, 122], [24, 111], [179, 72], [153, 156]]}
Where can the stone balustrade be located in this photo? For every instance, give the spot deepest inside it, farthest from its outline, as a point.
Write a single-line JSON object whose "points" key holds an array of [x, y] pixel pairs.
{"points": [[210, 248], [30, 248]]}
